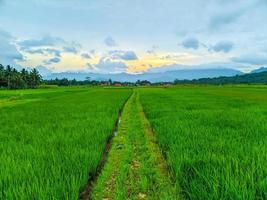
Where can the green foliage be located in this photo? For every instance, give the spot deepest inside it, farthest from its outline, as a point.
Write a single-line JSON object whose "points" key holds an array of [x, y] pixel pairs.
{"points": [[49, 146], [214, 138], [253, 78], [10, 78], [67, 82], [135, 168]]}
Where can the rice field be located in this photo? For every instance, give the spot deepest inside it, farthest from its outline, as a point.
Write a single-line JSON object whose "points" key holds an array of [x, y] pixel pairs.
{"points": [[214, 138], [184, 142], [51, 139]]}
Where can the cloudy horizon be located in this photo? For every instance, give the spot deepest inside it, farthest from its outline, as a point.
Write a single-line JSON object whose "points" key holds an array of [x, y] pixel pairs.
{"points": [[133, 36]]}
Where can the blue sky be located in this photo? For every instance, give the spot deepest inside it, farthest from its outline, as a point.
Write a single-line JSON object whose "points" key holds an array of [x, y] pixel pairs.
{"points": [[110, 36]]}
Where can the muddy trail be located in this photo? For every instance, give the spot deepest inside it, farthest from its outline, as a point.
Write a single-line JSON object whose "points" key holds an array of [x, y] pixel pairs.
{"points": [[134, 167]]}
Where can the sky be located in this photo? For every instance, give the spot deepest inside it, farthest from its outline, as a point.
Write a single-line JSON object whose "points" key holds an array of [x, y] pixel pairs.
{"points": [[133, 36]]}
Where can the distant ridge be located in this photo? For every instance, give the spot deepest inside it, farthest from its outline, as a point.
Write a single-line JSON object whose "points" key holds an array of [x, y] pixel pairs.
{"points": [[261, 69], [250, 78], [168, 76]]}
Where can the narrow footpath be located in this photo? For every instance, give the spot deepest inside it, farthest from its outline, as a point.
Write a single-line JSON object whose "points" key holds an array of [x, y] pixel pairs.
{"points": [[135, 167]]}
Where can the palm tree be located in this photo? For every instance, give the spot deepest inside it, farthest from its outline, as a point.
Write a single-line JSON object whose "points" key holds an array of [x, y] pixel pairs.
{"points": [[35, 78], [8, 75]]}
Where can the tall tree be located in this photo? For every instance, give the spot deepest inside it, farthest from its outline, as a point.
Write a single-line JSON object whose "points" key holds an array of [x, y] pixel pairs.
{"points": [[25, 77], [8, 74], [2, 76], [35, 78]]}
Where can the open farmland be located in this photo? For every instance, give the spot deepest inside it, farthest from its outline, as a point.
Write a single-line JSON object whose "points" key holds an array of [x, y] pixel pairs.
{"points": [[214, 138], [186, 142], [51, 139]]}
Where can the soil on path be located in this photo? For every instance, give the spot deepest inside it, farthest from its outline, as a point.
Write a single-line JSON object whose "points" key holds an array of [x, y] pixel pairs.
{"points": [[135, 168]]}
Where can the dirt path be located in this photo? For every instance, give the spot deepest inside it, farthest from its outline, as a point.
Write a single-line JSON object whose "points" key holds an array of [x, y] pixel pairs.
{"points": [[135, 168]]}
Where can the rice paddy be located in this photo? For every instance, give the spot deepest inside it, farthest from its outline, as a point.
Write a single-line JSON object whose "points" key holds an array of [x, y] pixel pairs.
{"points": [[214, 139], [50, 140], [186, 142]]}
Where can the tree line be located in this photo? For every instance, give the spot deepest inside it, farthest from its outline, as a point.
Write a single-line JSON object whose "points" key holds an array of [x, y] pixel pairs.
{"points": [[88, 81], [251, 78], [11, 78]]}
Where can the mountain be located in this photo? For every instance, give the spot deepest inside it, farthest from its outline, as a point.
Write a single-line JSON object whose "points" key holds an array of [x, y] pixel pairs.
{"points": [[166, 76], [262, 69], [250, 78]]}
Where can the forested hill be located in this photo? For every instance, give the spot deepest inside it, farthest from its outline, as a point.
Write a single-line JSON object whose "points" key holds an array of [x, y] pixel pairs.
{"points": [[251, 78]]}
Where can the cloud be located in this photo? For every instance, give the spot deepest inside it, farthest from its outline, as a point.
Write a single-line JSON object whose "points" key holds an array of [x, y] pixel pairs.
{"points": [[223, 46], [229, 12], [212, 65], [49, 45], [34, 51], [55, 52], [45, 41], [70, 50], [152, 51], [4, 35], [110, 42], [9, 53], [234, 20], [124, 55], [232, 12], [191, 43], [223, 19], [107, 65], [52, 60], [86, 56], [47, 51], [44, 71], [260, 59], [91, 67], [93, 51], [73, 47]]}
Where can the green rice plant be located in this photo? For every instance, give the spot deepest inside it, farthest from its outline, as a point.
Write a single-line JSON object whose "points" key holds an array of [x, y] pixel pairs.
{"points": [[214, 138], [50, 145]]}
